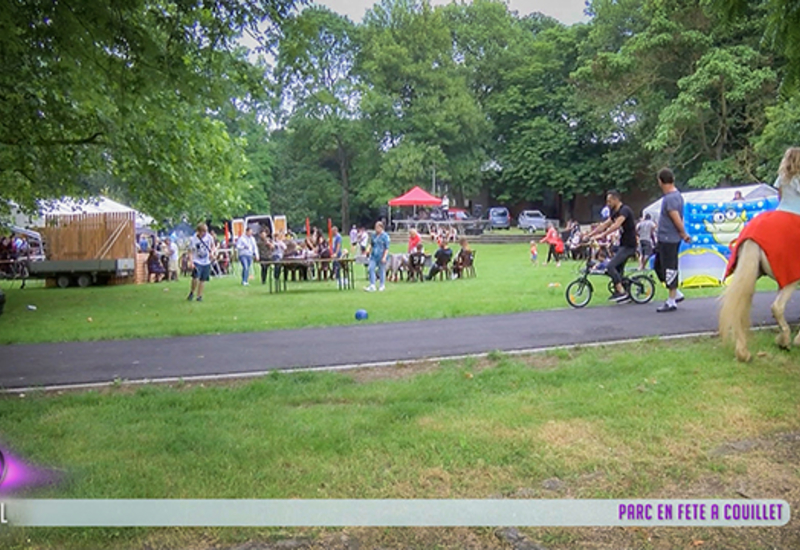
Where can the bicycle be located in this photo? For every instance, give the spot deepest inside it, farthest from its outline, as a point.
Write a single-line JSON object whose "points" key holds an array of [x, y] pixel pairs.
{"points": [[15, 269], [640, 287]]}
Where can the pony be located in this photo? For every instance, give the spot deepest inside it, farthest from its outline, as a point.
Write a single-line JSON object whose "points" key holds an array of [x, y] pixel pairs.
{"points": [[396, 264], [761, 251]]}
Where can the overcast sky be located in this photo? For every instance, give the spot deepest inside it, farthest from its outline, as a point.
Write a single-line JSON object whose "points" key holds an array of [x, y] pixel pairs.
{"points": [[566, 11]]}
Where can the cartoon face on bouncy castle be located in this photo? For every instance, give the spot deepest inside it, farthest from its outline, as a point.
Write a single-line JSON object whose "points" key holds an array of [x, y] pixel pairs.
{"points": [[725, 226], [714, 228]]}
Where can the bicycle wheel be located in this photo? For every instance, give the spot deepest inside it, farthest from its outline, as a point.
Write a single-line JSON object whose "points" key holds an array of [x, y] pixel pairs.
{"points": [[642, 289], [579, 293]]}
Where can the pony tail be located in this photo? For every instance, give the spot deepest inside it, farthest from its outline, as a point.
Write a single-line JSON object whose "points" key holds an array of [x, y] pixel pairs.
{"points": [[737, 300]]}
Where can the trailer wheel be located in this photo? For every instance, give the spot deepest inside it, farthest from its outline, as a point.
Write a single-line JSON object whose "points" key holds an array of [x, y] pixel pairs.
{"points": [[63, 281], [84, 280]]}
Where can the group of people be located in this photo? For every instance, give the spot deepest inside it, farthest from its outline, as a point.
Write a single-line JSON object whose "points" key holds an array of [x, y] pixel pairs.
{"points": [[415, 258], [623, 235], [13, 248], [441, 258], [204, 249], [620, 238], [668, 234], [162, 258], [278, 248]]}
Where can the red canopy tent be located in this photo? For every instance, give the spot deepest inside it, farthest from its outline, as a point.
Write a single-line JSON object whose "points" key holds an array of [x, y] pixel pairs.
{"points": [[416, 197]]}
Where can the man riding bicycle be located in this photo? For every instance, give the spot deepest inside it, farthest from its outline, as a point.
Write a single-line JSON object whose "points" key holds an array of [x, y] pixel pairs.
{"points": [[621, 218]]}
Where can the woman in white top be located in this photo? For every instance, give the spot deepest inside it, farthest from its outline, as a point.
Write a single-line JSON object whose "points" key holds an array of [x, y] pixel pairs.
{"points": [[247, 248], [788, 182]]}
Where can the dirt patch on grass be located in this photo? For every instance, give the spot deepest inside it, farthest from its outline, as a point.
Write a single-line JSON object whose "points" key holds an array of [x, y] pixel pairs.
{"points": [[577, 440], [758, 468], [401, 371], [398, 371]]}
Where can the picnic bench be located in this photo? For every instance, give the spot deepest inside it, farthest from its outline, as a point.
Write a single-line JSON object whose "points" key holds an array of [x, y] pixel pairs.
{"points": [[278, 271]]}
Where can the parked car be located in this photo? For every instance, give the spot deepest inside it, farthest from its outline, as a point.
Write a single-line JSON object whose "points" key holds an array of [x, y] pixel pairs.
{"points": [[532, 220], [499, 218], [458, 214]]}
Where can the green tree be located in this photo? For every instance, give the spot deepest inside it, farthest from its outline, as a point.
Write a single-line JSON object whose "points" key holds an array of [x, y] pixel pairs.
{"points": [[781, 30], [418, 97], [301, 187], [719, 107], [679, 85], [130, 90], [781, 131], [320, 91], [541, 142]]}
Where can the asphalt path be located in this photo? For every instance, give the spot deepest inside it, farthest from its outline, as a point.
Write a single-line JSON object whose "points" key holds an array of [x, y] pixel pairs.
{"points": [[41, 365]]}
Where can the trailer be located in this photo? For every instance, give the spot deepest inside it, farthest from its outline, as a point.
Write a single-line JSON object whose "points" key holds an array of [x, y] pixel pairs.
{"points": [[82, 273], [88, 248]]}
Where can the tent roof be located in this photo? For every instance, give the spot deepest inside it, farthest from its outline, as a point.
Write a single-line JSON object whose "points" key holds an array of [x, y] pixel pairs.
{"points": [[416, 197], [722, 194], [96, 205]]}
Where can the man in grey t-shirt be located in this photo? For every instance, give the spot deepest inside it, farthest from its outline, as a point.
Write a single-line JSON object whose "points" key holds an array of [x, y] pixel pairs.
{"points": [[671, 232], [646, 232]]}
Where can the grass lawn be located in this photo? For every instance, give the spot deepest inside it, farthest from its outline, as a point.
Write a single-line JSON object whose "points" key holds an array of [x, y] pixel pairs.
{"points": [[506, 282], [648, 420]]}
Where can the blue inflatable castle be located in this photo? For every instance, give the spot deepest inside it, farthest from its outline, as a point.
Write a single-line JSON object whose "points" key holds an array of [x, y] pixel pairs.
{"points": [[714, 220]]}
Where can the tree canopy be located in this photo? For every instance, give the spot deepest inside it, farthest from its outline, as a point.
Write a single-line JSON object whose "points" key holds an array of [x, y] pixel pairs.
{"points": [[128, 93], [157, 102]]}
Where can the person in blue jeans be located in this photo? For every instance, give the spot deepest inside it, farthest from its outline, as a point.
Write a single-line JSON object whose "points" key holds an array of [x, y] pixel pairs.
{"points": [[378, 254], [248, 249], [336, 253]]}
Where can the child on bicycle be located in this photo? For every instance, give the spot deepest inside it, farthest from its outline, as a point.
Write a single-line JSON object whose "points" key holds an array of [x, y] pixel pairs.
{"points": [[600, 263]]}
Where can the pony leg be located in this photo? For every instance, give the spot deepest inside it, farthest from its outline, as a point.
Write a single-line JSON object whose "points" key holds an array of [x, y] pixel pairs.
{"points": [[734, 314], [778, 309], [794, 287]]}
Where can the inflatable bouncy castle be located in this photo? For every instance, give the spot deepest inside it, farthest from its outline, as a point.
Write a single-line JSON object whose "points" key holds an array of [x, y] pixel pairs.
{"points": [[714, 228]]}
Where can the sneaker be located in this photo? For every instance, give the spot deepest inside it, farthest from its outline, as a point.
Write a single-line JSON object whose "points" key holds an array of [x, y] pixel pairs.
{"points": [[616, 297], [621, 298], [199, 298], [370, 288], [381, 289], [190, 297], [679, 297], [666, 307]]}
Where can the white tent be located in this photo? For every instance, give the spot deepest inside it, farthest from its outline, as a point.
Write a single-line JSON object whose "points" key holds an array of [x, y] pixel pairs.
{"points": [[69, 205], [95, 205], [724, 194]]}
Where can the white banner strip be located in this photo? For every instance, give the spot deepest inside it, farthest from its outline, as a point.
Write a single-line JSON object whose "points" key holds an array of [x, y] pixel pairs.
{"points": [[393, 513]]}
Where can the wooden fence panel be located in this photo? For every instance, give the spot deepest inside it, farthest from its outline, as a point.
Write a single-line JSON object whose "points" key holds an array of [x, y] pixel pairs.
{"points": [[90, 236]]}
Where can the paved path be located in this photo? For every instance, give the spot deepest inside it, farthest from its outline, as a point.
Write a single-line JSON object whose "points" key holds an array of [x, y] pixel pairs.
{"points": [[96, 362]]}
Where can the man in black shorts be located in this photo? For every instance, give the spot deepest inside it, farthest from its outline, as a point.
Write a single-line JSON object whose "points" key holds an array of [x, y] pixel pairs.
{"points": [[621, 218], [671, 232]]}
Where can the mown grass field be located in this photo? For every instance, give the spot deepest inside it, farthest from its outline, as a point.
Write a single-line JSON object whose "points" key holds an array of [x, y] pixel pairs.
{"points": [[506, 282], [634, 421]]}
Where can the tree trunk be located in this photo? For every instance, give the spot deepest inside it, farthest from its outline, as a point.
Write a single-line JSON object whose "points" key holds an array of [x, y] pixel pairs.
{"points": [[345, 177], [723, 131]]}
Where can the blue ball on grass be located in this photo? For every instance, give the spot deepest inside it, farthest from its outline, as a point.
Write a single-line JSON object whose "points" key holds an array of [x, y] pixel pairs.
{"points": [[361, 314]]}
